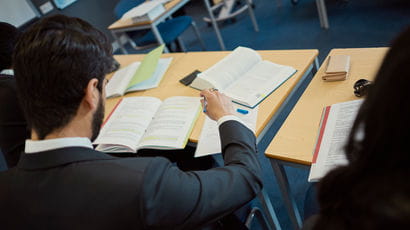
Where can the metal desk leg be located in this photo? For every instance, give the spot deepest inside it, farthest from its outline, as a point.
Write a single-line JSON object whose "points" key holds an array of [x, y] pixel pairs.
{"points": [[198, 35], [124, 51], [317, 66], [181, 44], [252, 15], [321, 8], [269, 211], [289, 200], [158, 37], [215, 25]]}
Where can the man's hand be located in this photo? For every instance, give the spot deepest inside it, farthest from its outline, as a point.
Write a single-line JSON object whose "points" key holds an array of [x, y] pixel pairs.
{"points": [[217, 104]]}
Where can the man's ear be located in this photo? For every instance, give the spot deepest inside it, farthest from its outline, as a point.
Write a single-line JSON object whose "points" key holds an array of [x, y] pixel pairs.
{"points": [[92, 94]]}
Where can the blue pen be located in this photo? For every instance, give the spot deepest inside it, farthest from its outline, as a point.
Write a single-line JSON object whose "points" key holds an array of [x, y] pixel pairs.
{"points": [[204, 109], [242, 111]]}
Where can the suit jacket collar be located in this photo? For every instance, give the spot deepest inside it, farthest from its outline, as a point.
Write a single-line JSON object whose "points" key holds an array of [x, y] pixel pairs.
{"points": [[9, 72], [58, 157]]}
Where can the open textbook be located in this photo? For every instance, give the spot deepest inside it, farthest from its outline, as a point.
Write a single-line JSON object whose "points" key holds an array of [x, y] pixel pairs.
{"points": [[209, 140], [337, 121], [139, 75], [146, 122], [244, 76]]}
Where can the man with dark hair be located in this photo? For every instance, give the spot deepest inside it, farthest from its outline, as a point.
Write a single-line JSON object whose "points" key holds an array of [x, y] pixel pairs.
{"points": [[13, 126], [61, 182]]}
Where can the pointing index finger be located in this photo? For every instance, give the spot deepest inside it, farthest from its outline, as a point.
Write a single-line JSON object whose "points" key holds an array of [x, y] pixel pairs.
{"points": [[205, 93]]}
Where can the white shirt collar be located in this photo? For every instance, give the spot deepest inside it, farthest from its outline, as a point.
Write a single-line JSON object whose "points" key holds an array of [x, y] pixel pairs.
{"points": [[7, 72], [57, 143]]}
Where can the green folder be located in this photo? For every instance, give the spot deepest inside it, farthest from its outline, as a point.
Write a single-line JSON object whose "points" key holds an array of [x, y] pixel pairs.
{"points": [[147, 66]]}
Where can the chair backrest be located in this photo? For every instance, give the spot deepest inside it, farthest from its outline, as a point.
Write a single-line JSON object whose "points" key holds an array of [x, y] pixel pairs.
{"points": [[125, 5], [3, 163]]}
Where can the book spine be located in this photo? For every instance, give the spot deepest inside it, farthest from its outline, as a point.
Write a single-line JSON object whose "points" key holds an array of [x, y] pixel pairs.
{"points": [[322, 130], [112, 111]]}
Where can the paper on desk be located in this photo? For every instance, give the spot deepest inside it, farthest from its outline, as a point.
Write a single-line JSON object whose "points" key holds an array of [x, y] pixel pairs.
{"points": [[147, 67], [209, 141], [156, 78], [118, 84], [119, 81], [161, 1], [142, 9]]}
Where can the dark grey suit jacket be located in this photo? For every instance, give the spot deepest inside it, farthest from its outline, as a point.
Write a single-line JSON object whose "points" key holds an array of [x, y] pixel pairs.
{"points": [[79, 188], [13, 125]]}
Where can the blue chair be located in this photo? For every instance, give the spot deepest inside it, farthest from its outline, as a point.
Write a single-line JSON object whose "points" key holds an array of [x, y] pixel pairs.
{"points": [[170, 29], [3, 163]]}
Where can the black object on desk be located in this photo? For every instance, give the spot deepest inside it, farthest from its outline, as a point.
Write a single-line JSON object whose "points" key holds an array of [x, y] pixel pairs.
{"points": [[361, 87], [187, 80]]}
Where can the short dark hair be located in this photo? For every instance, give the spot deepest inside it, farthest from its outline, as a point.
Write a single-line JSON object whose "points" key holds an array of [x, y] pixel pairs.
{"points": [[8, 38], [372, 191], [54, 60]]}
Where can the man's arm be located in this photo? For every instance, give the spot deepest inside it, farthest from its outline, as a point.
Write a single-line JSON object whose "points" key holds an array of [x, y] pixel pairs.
{"points": [[184, 200]]}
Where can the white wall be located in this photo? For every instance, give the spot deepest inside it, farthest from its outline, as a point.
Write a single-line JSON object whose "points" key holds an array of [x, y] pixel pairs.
{"points": [[16, 12]]}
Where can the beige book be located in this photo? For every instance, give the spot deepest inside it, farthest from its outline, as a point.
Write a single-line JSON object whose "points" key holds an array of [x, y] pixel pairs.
{"points": [[338, 68]]}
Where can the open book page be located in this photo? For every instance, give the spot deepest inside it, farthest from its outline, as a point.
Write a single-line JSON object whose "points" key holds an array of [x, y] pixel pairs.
{"points": [[230, 68], [126, 125], [258, 83], [119, 81], [337, 122], [209, 141], [172, 124], [156, 78]]}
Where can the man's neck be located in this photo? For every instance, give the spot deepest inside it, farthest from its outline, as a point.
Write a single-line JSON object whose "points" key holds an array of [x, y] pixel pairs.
{"points": [[74, 129]]}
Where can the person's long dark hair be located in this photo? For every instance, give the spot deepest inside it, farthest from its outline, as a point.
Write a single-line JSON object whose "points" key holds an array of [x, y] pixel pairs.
{"points": [[373, 190]]}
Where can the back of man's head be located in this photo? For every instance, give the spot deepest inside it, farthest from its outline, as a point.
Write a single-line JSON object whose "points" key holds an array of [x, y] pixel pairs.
{"points": [[54, 60], [8, 38]]}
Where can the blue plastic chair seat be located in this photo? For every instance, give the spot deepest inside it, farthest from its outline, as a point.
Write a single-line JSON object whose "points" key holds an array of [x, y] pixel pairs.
{"points": [[169, 30]]}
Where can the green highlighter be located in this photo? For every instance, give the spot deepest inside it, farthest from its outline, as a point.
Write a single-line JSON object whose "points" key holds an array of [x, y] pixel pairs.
{"points": [[147, 66]]}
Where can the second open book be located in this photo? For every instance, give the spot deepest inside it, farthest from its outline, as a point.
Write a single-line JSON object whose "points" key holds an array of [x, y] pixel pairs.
{"points": [[143, 75], [244, 77], [335, 126], [147, 122]]}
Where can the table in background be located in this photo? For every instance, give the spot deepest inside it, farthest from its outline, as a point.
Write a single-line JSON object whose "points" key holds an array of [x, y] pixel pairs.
{"points": [[305, 61], [127, 25], [295, 141]]}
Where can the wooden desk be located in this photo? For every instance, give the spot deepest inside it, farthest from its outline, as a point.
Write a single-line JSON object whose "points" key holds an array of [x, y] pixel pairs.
{"points": [[295, 141], [185, 63], [122, 25]]}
